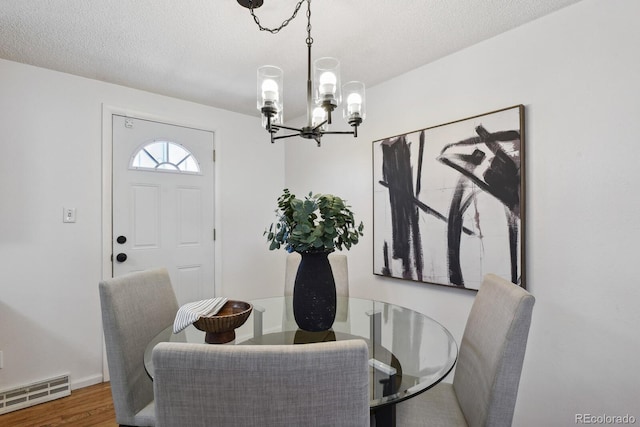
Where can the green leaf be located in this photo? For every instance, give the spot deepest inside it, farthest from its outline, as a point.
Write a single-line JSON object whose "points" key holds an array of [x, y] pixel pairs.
{"points": [[309, 207]]}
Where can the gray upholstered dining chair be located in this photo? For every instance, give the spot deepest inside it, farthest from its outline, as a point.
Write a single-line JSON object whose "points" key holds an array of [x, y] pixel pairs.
{"points": [[202, 385], [340, 270], [485, 384], [135, 308]]}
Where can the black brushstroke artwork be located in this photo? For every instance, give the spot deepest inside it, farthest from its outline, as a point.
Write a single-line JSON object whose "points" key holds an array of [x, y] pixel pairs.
{"points": [[487, 163], [397, 174]]}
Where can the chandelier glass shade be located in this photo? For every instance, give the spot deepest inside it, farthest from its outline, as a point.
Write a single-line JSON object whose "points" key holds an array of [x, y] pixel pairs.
{"points": [[270, 95], [325, 93]]}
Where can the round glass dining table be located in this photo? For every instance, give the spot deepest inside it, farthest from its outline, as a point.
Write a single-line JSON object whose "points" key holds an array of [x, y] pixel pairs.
{"points": [[409, 352]]}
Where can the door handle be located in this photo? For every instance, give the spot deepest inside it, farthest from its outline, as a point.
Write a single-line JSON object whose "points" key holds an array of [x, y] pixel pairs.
{"points": [[121, 257]]}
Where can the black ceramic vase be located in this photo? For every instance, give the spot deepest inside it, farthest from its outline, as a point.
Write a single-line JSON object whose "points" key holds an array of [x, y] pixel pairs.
{"points": [[314, 293]]}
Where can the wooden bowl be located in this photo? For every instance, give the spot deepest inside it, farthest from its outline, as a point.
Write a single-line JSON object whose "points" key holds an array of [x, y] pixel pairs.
{"points": [[220, 328]]}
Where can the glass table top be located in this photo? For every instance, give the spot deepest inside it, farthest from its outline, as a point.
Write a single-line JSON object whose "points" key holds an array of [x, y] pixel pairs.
{"points": [[409, 352]]}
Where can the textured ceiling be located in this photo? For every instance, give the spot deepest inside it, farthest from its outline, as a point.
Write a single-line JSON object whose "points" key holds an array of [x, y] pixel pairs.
{"points": [[207, 51]]}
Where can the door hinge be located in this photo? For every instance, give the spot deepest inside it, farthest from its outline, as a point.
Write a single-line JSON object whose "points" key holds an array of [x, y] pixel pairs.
{"points": [[214, 234], [214, 155]]}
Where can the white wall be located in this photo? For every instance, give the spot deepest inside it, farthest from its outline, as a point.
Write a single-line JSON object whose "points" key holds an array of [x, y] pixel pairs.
{"points": [[577, 72], [50, 157]]}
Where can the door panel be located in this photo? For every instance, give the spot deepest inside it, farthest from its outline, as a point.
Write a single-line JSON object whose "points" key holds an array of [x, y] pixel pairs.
{"points": [[189, 219], [145, 214], [166, 215]]}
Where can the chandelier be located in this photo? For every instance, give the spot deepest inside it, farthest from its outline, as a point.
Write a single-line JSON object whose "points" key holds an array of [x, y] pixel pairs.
{"points": [[324, 90]]}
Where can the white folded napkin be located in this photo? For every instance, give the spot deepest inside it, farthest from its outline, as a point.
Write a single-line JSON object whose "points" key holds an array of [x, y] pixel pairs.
{"points": [[190, 312]]}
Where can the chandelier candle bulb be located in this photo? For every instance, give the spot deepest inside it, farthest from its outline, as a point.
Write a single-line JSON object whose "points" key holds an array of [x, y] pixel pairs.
{"points": [[269, 91], [327, 85], [319, 116], [354, 102]]}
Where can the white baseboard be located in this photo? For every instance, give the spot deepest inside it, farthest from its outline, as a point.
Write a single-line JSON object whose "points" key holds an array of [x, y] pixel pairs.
{"points": [[86, 382]]}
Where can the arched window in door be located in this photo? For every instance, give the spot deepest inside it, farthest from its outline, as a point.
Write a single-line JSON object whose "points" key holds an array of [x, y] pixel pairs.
{"points": [[165, 156]]}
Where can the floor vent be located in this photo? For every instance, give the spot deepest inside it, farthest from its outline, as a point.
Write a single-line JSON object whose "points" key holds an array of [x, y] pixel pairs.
{"points": [[32, 394]]}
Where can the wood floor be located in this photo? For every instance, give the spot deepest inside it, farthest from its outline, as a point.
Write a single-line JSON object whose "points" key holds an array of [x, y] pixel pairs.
{"points": [[85, 407]]}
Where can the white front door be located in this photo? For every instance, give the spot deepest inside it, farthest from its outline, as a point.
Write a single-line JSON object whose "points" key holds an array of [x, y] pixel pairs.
{"points": [[163, 203]]}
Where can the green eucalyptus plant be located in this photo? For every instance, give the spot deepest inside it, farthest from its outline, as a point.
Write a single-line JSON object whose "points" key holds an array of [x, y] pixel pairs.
{"points": [[320, 222]]}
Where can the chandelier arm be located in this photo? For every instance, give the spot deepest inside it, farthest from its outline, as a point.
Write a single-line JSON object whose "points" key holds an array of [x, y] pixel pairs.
{"points": [[286, 127], [285, 136], [284, 23], [319, 126], [336, 132]]}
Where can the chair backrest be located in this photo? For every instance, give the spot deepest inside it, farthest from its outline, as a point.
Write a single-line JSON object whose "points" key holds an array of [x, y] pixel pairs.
{"points": [[135, 308], [201, 385], [492, 352]]}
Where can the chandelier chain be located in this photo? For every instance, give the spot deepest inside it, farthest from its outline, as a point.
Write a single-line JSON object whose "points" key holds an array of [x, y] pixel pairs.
{"points": [[286, 21], [309, 38]]}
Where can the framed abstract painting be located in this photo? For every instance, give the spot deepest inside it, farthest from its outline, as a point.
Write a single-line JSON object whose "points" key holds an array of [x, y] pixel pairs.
{"points": [[448, 201]]}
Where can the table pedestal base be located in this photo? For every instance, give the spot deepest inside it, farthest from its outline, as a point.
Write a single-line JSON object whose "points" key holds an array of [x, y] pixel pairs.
{"points": [[220, 337], [384, 417]]}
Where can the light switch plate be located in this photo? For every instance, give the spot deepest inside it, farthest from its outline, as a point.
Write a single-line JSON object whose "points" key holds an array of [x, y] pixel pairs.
{"points": [[68, 214]]}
